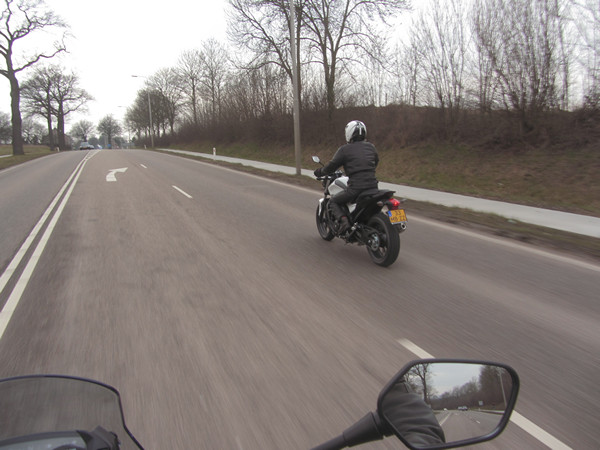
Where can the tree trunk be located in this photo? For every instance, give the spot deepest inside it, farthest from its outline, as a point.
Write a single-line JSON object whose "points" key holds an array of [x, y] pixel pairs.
{"points": [[50, 133], [60, 124], [17, 124], [330, 87]]}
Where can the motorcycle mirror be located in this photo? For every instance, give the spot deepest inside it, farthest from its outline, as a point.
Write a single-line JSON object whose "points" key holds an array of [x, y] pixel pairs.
{"points": [[316, 159], [435, 404]]}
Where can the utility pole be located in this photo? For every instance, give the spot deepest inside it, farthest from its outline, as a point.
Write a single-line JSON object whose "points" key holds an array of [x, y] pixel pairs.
{"points": [[297, 149]]}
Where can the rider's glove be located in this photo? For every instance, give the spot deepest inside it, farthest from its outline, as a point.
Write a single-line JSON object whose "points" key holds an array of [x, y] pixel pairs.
{"points": [[318, 173]]}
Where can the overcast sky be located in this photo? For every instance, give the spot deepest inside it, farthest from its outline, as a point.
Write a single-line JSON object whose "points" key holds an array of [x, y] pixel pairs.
{"points": [[114, 39]]}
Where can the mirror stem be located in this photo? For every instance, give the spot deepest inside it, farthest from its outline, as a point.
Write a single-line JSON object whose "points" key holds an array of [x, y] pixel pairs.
{"points": [[367, 429], [336, 443]]}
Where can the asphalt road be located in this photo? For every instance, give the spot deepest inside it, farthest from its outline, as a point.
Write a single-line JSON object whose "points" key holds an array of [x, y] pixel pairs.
{"points": [[460, 425], [208, 299]]}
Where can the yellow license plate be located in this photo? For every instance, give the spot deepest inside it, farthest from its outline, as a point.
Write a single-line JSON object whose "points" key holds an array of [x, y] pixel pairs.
{"points": [[397, 216]]}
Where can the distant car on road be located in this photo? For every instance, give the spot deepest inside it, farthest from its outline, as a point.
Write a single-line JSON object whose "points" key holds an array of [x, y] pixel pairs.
{"points": [[462, 408], [86, 146]]}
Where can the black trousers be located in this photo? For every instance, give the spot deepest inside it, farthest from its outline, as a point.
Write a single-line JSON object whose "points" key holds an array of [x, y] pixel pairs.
{"points": [[339, 200]]}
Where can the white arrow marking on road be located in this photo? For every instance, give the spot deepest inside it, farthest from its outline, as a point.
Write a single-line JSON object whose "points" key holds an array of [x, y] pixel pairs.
{"points": [[112, 174]]}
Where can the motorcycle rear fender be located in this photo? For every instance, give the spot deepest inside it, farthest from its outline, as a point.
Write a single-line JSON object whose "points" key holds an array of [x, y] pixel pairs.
{"points": [[367, 207]]}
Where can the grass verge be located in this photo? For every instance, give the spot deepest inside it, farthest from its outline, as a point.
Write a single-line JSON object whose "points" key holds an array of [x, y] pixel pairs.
{"points": [[31, 152]]}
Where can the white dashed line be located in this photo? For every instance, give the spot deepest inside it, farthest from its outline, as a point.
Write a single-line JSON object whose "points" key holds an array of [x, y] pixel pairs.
{"points": [[182, 192]]}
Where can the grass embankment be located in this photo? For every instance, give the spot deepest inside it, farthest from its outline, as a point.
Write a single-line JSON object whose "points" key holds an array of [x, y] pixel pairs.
{"points": [[561, 180], [31, 152], [567, 181]]}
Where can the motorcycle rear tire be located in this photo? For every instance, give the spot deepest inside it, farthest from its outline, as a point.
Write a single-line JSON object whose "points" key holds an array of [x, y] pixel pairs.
{"points": [[323, 225], [389, 241]]}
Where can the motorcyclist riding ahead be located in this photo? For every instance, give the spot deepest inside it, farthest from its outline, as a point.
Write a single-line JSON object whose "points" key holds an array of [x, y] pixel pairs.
{"points": [[359, 159]]}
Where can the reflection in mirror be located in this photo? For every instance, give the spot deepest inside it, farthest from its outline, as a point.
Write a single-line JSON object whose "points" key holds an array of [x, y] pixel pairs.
{"points": [[443, 402]]}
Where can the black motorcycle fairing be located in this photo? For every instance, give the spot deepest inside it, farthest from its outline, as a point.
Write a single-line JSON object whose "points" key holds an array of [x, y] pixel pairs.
{"points": [[57, 403]]}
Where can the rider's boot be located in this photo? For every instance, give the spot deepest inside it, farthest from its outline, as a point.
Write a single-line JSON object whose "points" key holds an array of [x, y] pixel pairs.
{"points": [[344, 225]]}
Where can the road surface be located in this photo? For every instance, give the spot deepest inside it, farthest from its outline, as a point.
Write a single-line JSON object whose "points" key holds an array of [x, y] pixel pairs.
{"points": [[208, 299]]}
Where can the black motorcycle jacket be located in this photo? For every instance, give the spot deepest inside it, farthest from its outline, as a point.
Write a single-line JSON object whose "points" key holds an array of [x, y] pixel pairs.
{"points": [[359, 160]]}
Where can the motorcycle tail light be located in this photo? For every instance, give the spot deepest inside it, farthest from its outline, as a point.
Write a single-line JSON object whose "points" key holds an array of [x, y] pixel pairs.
{"points": [[393, 204]]}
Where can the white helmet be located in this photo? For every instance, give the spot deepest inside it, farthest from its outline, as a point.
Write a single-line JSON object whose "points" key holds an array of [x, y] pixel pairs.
{"points": [[356, 131]]}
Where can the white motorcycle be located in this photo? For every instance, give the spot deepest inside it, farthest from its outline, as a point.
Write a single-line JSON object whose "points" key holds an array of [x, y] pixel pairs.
{"points": [[376, 219]]}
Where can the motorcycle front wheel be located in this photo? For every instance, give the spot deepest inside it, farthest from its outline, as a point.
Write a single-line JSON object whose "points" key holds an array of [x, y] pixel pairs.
{"points": [[323, 225], [383, 245]]}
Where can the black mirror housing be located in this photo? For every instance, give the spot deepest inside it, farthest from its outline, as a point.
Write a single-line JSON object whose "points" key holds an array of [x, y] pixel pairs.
{"points": [[428, 401]]}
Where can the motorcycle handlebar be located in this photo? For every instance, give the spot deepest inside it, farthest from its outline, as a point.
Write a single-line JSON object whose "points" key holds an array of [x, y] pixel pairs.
{"points": [[331, 176]]}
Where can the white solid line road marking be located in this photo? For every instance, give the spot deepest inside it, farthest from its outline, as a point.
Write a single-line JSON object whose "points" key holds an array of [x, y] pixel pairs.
{"points": [[537, 432], [8, 272], [510, 243], [183, 192], [443, 421], [516, 418], [15, 296], [414, 348]]}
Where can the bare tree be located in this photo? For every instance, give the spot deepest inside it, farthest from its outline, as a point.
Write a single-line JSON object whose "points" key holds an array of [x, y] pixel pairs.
{"points": [[110, 127], [586, 15], [190, 73], [165, 87], [343, 30], [263, 28], [215, 61], [368, 85], [52, 93], [419, 378], [562, 11], [20, 19], [36, 93], [138, 115], [521, 39], [442, 44], [5, 127], [487, 84], [33, 132], [406, 69], [69, 97], [82, 129], [255, 93]]}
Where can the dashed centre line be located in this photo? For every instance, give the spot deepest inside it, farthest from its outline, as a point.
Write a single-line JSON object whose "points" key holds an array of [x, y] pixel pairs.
{"points": [[182, 192]]}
